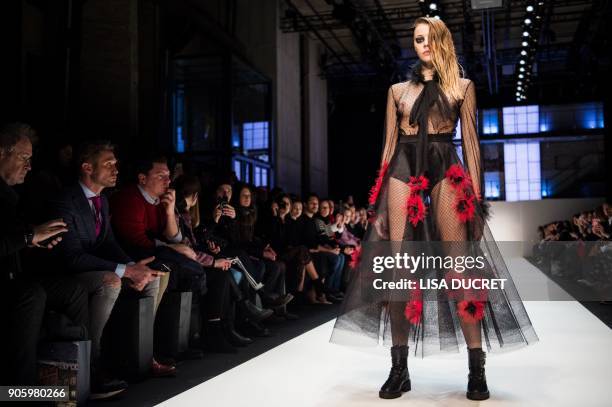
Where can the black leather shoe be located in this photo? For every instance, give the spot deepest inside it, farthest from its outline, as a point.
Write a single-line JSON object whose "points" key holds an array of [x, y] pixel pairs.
{"points": [[253, 312], [477, 382], [215, 340], [106, 389], [399, 379], [279, 301], [234, 337]]}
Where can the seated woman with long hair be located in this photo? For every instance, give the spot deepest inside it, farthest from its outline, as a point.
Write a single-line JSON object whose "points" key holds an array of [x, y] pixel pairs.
{"points": [[224, 290]]}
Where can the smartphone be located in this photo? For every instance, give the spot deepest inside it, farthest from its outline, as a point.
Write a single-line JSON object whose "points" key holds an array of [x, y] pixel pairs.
{"points": [[164, 268], [47, 241]]}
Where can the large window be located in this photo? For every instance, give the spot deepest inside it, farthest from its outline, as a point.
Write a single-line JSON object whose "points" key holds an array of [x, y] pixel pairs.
{"points": [[521, 119], [490, 122], [492, 181], [251, 164], [522, 170], [255, 135]]}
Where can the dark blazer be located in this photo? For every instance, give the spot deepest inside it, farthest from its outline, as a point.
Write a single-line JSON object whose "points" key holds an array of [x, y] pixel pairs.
{"points": [[79, 249], [12, 233]]}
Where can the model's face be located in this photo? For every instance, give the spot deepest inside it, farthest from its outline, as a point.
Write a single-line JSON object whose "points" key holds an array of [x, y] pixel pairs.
{"points": [[16, 162], [245, 197], [103, 171], [421, 43], [324, 208], [157, 181]]}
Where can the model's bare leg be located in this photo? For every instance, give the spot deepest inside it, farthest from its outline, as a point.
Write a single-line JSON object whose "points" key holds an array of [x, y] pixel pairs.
{"points": [[398, 194], [453, 230]]}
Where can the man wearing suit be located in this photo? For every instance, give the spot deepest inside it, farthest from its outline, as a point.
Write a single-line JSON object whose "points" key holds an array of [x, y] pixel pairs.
{"points": [[24, 298], [92, 254]]}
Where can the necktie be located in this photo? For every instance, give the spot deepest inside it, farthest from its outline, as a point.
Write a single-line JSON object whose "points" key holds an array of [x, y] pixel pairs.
{"points": [[97, 204]]}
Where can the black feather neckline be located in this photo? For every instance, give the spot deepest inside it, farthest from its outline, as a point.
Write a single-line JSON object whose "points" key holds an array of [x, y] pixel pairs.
{"points": [[416, 73]]}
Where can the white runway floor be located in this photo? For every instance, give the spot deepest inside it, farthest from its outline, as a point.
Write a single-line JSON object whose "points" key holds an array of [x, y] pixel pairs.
{"points": [[570, 366]]}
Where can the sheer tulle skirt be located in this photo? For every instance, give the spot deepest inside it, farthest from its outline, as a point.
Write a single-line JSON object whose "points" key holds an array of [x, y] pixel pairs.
{"points": [[438, 213]]}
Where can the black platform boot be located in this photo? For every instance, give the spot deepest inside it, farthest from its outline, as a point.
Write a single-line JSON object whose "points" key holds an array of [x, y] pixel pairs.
{"points": [[399, 379], [477, 381]]}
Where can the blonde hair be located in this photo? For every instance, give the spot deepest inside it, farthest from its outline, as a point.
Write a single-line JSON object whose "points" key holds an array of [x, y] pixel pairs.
{"points": [[443, 56]]}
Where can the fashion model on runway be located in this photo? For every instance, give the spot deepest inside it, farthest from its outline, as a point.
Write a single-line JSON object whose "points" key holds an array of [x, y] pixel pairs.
{"points": [[426, 193]]}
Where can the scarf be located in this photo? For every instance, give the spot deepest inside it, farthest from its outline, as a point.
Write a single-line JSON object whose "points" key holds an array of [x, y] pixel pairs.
{"points": [[431, 95]]}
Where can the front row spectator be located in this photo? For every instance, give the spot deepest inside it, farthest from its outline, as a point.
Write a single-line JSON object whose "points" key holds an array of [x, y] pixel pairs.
{"points": [[90, 252], [25, 298]]}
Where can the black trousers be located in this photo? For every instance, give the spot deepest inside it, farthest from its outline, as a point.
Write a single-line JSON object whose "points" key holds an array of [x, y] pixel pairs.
{"points": [[24, 301], [274, 277], [218, 298], [324, 262]]}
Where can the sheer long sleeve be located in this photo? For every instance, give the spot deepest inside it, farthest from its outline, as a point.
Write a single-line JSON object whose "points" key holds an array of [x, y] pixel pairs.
{"points": [[391, 128], [470, 141]]}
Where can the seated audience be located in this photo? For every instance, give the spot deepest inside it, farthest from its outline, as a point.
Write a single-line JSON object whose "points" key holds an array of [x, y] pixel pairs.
{"points": [[218, 305], [223, 224], [273, 294], [91, 253], [324, 250], [285, 239]]}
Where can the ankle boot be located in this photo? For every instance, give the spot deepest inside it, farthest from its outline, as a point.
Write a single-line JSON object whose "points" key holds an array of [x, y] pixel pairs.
{"points": [[477, 381], [399, 379]]}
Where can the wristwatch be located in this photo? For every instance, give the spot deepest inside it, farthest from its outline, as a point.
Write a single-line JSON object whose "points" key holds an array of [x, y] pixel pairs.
{"points": [[29, 236]]}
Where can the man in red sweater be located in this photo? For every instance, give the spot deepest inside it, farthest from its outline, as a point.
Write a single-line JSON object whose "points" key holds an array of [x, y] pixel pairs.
{"points": [[143, 216]]}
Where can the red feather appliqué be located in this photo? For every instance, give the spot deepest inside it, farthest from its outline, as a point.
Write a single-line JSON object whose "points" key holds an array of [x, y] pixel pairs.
{"points": [[375, 190], [464, 207], [414, 311], [470, 311], [415, 207], [457, 176], [416, 184]]}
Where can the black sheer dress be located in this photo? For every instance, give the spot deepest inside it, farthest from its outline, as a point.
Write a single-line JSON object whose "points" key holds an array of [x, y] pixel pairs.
{"points": [[428, 192]]}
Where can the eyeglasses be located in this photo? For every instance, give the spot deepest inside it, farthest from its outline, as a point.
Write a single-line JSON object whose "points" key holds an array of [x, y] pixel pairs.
{"points": [[25, 159]]}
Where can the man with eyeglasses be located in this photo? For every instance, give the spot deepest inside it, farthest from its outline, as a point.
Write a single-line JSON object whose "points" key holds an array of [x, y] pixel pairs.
{"points": [[24, 298]]}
